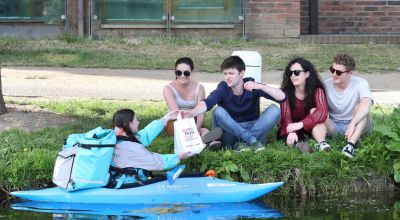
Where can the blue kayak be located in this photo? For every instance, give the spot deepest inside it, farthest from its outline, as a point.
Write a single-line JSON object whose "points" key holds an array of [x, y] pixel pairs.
{"points": [[184, 190]]}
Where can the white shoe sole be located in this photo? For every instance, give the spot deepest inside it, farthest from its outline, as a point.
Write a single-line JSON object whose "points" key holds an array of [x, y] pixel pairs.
{"points": [[260, 149], [326, 149], [347, 154]]}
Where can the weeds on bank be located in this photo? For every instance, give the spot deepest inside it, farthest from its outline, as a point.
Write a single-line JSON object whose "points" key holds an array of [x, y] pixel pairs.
{"points": [[207, 53], [389, 132], [27, 158]]}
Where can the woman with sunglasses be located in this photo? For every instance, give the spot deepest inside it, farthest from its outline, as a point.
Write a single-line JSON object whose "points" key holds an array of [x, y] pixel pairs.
{"points": [[183, 94], [304, 112]]}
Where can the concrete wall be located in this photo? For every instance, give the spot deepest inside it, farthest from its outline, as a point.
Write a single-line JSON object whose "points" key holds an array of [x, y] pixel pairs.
{"points": [[30, 30]]}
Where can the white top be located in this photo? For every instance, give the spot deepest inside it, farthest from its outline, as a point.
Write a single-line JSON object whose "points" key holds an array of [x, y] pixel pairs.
{"points": [[182, 103], [341, 105]]}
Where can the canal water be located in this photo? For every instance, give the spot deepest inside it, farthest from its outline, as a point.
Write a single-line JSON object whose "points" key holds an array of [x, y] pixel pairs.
{"points": [[380, 206]]}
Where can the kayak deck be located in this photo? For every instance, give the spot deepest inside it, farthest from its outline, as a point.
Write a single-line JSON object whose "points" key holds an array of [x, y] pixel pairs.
{"points": [[184, 190]]}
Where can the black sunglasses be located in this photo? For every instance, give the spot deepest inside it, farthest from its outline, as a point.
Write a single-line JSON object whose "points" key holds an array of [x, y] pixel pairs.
{"points": [[338, 72], [179, 73], [296, 72]]}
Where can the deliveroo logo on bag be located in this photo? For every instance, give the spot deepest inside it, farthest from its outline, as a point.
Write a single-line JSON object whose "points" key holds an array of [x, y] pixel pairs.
{"points": [[189, 134]]}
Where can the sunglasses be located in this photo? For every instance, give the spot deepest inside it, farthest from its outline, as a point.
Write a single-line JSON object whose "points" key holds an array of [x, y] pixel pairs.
{"points": [[179, 73], [295, 72], [338, 72]]}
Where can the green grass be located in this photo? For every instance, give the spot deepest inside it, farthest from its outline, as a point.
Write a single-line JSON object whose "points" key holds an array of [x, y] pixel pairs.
{"points": [[161, 53], [27, 158]]}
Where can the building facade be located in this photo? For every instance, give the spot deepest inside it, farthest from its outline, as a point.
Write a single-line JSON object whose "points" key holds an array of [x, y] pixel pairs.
{"points": [[265, 19]]}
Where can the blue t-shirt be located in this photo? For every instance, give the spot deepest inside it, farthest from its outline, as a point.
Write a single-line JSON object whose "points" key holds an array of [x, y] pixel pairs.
{"points": [[242, 108]]}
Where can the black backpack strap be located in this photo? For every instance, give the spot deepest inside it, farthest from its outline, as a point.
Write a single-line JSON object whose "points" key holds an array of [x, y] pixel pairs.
{"points": [[130, 171], [125, 138], [89, 146]]}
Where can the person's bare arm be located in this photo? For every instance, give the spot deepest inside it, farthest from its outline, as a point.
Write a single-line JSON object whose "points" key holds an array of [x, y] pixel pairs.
{"points": [[275, 93], [362, 111], [200, 108], [170, 99], [200, 118]]}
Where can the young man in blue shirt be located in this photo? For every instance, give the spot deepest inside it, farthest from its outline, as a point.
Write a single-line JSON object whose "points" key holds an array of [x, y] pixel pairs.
{"points": [[238, 111]]}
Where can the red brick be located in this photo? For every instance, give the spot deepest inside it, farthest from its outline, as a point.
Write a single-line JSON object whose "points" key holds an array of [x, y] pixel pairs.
{"points": [[370, 2]]}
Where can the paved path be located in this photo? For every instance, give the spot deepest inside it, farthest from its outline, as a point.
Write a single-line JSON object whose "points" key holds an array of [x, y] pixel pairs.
{"points": [[137, 85]]}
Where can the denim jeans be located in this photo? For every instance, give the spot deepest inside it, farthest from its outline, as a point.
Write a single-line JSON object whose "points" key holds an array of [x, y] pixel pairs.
{"points": [[248, 132]]}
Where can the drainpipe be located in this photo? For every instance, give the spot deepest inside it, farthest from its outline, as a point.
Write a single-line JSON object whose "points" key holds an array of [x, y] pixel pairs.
{"points": [[168, 18], [314, 17], [90, 19], [80, 18], [243, 18], [66, 17]]}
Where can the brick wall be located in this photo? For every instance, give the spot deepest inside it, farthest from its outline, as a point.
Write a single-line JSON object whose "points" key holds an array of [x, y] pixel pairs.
{"points": [[304, 16], [356, 17], [273, 18]]}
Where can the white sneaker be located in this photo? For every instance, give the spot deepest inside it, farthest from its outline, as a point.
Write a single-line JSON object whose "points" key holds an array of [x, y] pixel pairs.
{"points": [[323, 146]]}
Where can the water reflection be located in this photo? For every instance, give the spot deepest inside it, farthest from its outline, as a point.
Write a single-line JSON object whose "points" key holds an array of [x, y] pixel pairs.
{"points": [[254, 210], [378, 206], [359, 206]]}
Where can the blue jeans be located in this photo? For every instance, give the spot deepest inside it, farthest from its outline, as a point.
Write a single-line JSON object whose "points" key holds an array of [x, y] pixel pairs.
{"points": [[248, 132]]}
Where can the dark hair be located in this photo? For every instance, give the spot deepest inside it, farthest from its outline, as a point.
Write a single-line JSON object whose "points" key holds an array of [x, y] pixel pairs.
{"points": [[345, 60], [185, 60], [312, 82], [122, 118], [234, 62]]}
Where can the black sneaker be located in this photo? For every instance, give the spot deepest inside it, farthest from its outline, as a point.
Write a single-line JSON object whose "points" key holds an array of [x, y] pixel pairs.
{"points": [[348, 150], [214, 145], [213, 135]]}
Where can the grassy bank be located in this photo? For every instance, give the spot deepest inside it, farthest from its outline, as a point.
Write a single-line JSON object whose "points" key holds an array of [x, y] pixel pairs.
{"points": [[27, 158], [160, 53]]}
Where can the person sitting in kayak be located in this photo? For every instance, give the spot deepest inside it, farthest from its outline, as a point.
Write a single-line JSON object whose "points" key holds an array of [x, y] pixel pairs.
{"points": [[131, 156]]}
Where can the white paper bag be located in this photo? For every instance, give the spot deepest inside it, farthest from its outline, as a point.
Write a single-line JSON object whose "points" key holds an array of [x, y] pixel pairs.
{"points": [[186, 136]]}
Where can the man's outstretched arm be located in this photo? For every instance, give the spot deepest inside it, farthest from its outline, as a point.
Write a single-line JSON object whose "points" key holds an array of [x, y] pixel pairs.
{"points": [[200, 108]]}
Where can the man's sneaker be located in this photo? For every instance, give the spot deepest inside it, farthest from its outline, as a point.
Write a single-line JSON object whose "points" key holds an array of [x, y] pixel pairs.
{"points": [[213, 135], [240, 146], [348, 150], [323, 146], [304, 147], [258, 146]]}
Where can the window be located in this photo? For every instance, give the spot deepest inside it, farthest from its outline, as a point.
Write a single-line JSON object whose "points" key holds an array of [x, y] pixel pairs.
{"points": [[184, 11], [42, 10], [132, 10], [206, 11]]}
